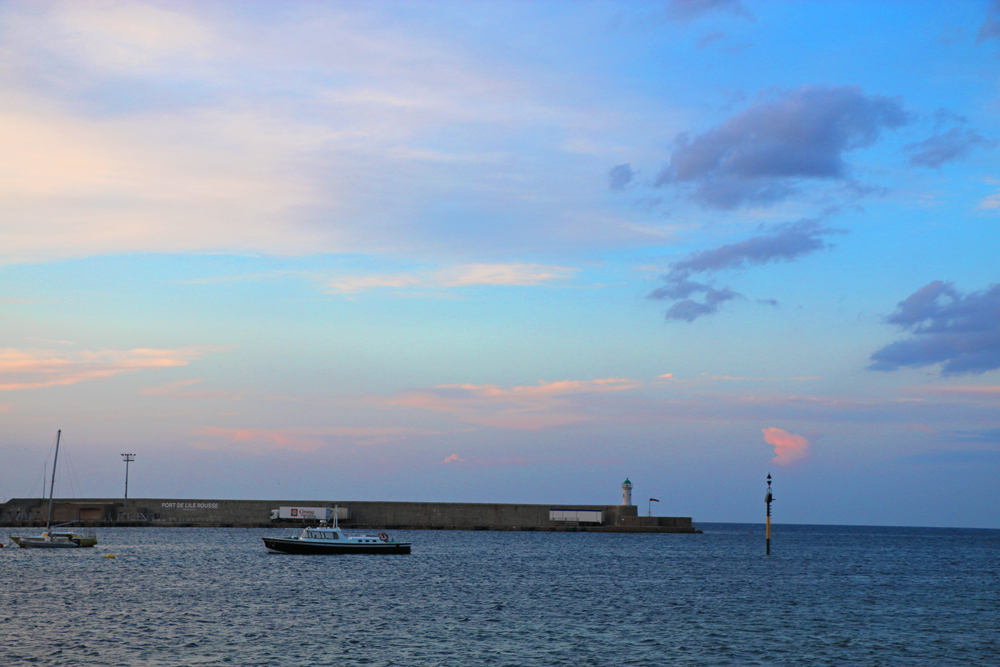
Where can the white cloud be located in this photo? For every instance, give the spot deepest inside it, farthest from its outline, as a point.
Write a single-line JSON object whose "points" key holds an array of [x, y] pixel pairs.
{"points": [[189, 127], [990, 203], [125, 36]]}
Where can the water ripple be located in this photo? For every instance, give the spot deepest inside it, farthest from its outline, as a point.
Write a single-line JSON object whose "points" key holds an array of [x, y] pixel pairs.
{"points": [[828, 596]]}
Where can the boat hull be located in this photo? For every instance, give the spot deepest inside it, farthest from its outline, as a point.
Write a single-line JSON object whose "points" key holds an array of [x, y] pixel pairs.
{"points": [[58, 541], [32, 543], [295, 546]]}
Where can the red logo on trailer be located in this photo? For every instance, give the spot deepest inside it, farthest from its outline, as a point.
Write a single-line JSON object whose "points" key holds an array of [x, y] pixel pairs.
{"points": [[295, 512]]}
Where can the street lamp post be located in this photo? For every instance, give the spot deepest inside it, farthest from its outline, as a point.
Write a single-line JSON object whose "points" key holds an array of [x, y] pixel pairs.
{"points": [[127, 458], [767, 499]]}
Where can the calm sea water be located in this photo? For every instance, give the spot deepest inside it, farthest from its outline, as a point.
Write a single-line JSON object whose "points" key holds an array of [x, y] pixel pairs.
{"points": [[199, 596]]}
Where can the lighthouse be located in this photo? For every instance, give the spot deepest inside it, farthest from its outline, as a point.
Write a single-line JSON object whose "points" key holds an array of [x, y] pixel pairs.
{"points": [[627, 493]]}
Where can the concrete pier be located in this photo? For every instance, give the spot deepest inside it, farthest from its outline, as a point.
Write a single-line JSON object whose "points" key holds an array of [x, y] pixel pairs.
{"points": [[165, 512]]}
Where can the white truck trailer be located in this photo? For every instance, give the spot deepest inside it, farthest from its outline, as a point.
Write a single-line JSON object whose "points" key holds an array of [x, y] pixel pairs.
{"points": [[305, 514]]}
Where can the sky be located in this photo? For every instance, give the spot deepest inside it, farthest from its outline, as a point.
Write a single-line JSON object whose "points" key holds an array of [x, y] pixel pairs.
{"points": [[506, 252]]}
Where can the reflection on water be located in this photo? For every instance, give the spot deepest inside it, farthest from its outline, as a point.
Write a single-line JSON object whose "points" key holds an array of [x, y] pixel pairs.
{"points": [[209, 596]]}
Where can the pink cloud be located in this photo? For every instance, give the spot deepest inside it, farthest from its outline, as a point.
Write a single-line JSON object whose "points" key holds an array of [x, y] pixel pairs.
{"points": [[269, 438], [529, 407], [788, 447], [36, 368], [452, 459], [968, 391], [301, 439]]}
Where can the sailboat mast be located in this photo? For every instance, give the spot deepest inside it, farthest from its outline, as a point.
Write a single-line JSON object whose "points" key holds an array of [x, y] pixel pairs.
{"points": [[52, 484]]}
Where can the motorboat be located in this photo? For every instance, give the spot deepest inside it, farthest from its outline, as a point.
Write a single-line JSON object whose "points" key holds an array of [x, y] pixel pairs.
{"points": [[325, 539]]}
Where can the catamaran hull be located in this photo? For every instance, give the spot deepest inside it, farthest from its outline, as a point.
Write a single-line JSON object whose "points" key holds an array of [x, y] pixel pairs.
{"points": [[294, 546]]}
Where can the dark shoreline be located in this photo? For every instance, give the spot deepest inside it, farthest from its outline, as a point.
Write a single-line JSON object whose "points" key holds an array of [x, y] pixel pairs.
{"points": [[287, 525], [357, 515]]}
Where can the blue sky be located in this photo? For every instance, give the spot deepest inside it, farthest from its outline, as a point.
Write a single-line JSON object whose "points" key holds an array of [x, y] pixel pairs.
{"points": [[506, 252]]}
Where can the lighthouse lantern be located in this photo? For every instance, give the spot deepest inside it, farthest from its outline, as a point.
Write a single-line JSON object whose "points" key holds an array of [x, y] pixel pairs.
{"points": [[626, 492]]}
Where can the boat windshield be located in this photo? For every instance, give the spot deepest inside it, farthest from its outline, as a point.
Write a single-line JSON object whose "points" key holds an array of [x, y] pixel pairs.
{"points": [[322, 534]]}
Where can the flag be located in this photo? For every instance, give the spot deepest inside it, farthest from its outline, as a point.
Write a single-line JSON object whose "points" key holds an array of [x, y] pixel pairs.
{"points": [[653, 500]]}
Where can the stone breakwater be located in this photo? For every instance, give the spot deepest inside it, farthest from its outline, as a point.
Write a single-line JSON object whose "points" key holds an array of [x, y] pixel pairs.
{"points": [[361, 514]]}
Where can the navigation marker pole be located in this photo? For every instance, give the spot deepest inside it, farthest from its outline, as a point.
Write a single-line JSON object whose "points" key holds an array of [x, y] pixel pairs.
{"points": [[127, 458], [767, 499]]}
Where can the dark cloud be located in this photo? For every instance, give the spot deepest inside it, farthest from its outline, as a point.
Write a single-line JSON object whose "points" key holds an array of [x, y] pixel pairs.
{"points": [[784, 242], [760, 155], [689, 310], [990, 29], [678, 288], [689, 10], [709, 38], [938, 149], [620, 176], [943, 116], [960, 332]]}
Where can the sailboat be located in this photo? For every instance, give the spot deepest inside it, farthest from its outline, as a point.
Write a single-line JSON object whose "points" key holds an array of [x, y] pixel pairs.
{"points": [[53, 538]]}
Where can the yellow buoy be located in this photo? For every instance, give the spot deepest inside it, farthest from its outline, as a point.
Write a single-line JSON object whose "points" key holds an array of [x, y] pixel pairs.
{"points": [[109, 555]]}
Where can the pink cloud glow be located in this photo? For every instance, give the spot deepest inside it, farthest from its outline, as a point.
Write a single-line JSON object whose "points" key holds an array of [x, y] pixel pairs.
{"points": [[973, 391], [36, 369], [301, 439], [788, 447], [529, 407]]}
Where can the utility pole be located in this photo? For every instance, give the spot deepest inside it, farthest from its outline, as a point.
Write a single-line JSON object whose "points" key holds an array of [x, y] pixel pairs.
{"points": [[127, 458], [767, 499]]}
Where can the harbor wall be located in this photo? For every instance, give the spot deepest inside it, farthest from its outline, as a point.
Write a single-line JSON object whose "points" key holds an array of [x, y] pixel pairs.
{"points": [[367, 514]]}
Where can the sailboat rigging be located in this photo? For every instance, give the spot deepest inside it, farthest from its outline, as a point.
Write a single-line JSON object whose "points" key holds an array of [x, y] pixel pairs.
{"points": [[52, 538]]}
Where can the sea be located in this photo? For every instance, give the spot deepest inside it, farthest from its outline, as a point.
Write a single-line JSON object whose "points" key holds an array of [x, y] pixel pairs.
{"points": [[826, 595]]}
